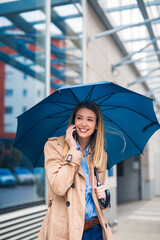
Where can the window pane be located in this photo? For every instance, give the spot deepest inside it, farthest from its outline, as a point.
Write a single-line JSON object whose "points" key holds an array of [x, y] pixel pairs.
{"points": [[9, 92], [9, 110], [22, 71], [24, 108], [24, 93], [23, 77]]}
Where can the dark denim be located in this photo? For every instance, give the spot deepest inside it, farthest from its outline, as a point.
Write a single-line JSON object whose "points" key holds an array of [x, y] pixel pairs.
{"points": [[94, 233]]}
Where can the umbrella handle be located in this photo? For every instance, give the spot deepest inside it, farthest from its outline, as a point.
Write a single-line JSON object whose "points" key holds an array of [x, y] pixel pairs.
{"points": [[99, 184]]}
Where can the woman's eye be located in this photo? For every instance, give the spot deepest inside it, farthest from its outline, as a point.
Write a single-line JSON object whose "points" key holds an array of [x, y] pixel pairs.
{"points": [[79, 118], [91, 120]]}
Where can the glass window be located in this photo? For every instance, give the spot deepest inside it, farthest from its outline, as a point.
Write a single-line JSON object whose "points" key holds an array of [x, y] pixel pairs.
{"points": [[24, 92], [25, 76], [23, 56], [9, 92], [8, 127], [19, 182], [24, 108], [38, 93], [8, 73], [22, 53], [9, 110]]}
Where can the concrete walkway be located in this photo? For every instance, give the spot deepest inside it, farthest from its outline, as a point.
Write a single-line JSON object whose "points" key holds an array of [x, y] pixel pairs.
{"points": [[138, 220]]}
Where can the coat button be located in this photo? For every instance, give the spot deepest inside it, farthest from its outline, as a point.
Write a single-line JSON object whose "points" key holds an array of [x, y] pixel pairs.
{"points": [[73, 185], [67, 203], [106, 225]]}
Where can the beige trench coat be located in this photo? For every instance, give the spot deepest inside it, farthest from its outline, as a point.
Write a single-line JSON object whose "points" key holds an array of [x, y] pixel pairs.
{"points": [[66, 193]]}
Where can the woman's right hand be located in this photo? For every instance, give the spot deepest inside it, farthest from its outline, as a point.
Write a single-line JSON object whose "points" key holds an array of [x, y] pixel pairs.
{"points": [[69, 137]]}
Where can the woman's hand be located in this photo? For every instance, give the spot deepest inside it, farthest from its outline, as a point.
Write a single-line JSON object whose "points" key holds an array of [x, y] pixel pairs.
{"points": [[100, 192], [69, 137]]}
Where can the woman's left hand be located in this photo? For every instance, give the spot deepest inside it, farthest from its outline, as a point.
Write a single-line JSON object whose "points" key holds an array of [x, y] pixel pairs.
{"points": [[100, 192]]}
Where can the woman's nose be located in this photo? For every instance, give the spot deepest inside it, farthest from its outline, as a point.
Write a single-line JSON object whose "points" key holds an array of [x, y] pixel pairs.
{"points": [[84, 123]]}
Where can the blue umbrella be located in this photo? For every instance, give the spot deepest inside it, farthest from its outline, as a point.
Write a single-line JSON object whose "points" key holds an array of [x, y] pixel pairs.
{"points": [[129, 120]]}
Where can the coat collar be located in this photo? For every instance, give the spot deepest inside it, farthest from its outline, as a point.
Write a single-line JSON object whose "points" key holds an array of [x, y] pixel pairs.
{"points": [[61, 141]]}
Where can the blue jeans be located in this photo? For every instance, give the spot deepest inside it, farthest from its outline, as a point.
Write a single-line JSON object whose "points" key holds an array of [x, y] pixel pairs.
{"points": [[94, 233]]}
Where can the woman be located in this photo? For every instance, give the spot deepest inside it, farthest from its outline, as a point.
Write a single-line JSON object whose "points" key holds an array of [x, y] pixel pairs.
{"points": [[74, 211]]}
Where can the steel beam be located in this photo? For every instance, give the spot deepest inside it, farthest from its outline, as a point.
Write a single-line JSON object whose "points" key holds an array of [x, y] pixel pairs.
{"points": [[149, 61], [148, 24], [125, 62], [154, 76], [25, 69], [145, 77], [29, 5], [64, 27], [152, 91], [28, 28], [26, 52], [21, 67], [57, 52], [130, 7], [128, 60], [56, 85], [106, 23], [120, 28], [136, 40], [69, 17]]}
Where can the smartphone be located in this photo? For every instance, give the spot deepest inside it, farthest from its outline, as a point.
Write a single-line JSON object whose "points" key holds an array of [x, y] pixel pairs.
{"points": [[74, 133]]}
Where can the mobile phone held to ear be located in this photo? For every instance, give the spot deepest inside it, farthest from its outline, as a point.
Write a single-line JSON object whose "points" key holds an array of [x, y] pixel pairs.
{"points": [[74, 133]]}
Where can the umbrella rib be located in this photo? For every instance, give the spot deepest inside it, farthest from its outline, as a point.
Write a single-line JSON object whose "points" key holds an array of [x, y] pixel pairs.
{"points": [[124, 132], [110, 95], [107, 98], [75, 97], [131, 111], [59, 116], [61, 126], [149, 125], [90, 94], [46, 103], [112, 108], [59, 105], [33, 126]]}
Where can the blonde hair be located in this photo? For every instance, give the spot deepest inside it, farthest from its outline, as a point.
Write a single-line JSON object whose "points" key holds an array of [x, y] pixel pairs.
{"points": [[97, 139]]}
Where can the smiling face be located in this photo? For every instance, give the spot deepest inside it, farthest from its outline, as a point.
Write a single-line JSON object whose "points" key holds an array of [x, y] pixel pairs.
{"points": [[85, 122]]}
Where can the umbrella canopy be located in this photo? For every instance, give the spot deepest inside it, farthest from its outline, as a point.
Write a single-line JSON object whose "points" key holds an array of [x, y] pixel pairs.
{"points": [[129, 120]]}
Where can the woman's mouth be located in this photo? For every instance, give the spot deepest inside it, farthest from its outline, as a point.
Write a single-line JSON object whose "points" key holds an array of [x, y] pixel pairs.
{"points": [[83, 130]]}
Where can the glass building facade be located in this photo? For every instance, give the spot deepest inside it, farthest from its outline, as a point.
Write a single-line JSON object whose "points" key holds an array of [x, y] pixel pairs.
{"points": [[40, 49]]}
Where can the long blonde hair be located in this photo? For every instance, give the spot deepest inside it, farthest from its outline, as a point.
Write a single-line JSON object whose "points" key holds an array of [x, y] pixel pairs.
{"points": [[97, 139]]}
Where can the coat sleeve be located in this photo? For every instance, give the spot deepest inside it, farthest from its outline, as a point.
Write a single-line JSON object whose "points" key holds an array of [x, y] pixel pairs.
{"points": [[60, 173]]}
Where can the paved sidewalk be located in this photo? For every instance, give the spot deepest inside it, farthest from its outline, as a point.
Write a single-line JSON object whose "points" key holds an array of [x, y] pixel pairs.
{"points": [[138, 220]]}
